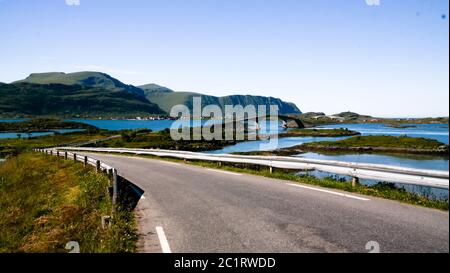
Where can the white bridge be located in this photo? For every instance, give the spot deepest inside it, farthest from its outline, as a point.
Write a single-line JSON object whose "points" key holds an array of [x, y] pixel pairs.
{"points": [[378, 172]]}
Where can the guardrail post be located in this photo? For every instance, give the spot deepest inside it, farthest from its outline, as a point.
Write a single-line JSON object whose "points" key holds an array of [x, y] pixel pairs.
{"points": [[66, 155], [355, 181], [57, 154], [85, 161], [75, 157], [115, 187], [51, 153], [97, 163]]}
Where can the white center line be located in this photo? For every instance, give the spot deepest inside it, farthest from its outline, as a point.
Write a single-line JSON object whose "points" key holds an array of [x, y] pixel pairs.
{"points": [[224, 172], [163, 240], [330, 192]]}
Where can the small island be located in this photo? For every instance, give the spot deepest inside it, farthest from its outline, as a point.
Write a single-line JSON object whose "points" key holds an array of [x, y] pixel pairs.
{"points": [[341, 132], [379, 144], [364, 144], [41, 125]]}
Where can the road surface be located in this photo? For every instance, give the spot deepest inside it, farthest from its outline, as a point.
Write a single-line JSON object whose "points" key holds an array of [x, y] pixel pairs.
{"points": [[189, 209]]}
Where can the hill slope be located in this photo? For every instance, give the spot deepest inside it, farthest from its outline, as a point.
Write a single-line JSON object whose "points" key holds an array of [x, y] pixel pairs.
{"points": [[85, 79], [154, 88], [97, 94], [167, 99], [25, 100]]}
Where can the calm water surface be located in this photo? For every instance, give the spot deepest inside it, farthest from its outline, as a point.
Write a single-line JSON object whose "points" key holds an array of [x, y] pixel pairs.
{"points": [[155, 125], [439, 132], [26, 135]]}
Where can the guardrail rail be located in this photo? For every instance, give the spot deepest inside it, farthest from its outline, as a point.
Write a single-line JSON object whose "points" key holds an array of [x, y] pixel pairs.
{"points": [[379, 172]]}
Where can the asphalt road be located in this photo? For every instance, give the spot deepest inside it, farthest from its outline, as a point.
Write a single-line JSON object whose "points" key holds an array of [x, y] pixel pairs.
{"points": [[203, 210]]}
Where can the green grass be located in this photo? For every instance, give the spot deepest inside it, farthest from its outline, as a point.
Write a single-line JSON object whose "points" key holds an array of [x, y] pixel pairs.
{"points": [[381, 190], [46, 202], [403, 142], [16, 146]]}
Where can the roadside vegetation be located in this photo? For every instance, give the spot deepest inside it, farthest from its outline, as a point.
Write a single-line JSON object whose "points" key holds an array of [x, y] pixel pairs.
{"points": [[15, 146], [46, 202]]}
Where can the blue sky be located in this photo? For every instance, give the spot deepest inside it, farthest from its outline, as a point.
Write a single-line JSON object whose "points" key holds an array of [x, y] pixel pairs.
{"points": [[324, 55]]}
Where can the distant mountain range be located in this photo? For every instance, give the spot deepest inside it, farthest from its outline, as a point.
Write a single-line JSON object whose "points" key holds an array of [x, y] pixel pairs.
{"points": [[96, 94], [166, 99], [85, 79]]}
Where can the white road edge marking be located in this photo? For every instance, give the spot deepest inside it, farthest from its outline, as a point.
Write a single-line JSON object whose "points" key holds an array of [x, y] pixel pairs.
{"points": [[225, 172], [163, 240], [330, 192], [170, 163]]}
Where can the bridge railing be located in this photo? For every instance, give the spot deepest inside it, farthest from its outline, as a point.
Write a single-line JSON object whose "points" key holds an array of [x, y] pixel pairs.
{"points": [[378, 172]]}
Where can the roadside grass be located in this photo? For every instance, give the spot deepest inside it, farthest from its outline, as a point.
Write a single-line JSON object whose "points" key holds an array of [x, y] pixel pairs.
{"points": [[45, 202], [17, 146], [382, 190]]}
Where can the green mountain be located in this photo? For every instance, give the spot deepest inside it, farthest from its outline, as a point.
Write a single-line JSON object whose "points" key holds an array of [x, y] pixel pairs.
{"points": [[167, 98], [29, 100], [154, 88], [85, 79], [96, 94]]}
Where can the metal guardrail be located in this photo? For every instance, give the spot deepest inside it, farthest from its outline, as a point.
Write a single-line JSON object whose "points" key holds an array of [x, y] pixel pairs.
{"points": [[385, 173]]}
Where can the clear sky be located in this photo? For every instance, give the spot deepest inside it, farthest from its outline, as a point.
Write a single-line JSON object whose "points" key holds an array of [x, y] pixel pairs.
{"points": [[390, 59]]}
